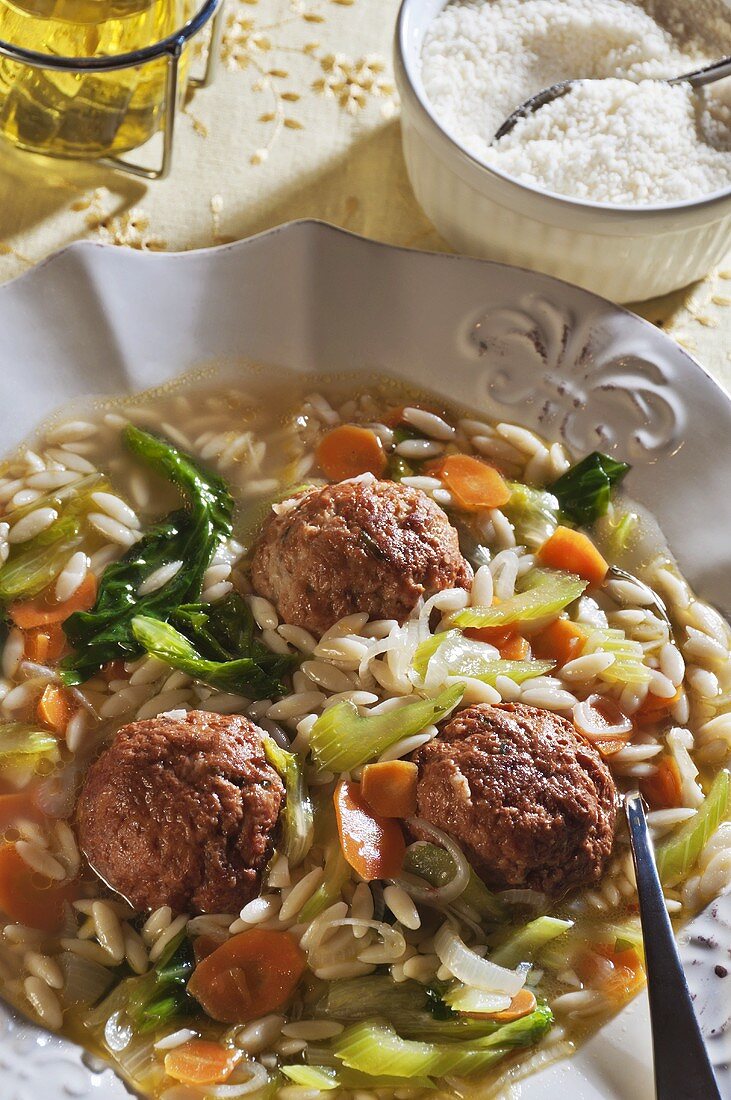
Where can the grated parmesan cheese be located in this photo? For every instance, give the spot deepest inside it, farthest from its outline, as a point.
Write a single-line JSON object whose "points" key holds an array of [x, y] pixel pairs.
{"points": [[609, 140]]}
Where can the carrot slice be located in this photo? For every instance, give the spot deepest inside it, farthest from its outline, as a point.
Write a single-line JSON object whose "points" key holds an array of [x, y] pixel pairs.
{"points": [[473, 484], [373, 846], [25, 900], [576, 553], [44, 644], [248, 976], [55, 708], [515, 648], [663, 789], [561, 642], [389, 787], [348, 451], [653, 708], [618, 974], [199, 1062], [522, 1004], [42, 610]]}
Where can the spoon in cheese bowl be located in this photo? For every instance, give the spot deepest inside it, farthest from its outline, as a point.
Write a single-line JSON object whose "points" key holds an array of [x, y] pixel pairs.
{"points": [[708, 75]]}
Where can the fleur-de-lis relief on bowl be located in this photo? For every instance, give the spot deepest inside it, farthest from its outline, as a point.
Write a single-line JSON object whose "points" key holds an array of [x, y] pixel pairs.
{"points": [[538, 358]]}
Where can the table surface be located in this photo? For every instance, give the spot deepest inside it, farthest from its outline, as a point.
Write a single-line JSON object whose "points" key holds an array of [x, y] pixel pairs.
{"points": [[302, 121]]}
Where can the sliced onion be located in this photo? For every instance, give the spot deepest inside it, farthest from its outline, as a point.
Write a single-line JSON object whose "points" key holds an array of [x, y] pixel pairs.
{"points": [[469, 968], [599, 717], [56, 796], [85, 982], [420, 890], [476, 1002], [35, 670], [393, 941], [258, 1078]]}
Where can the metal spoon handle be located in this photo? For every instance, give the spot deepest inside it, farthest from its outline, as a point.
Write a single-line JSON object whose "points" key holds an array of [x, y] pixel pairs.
{"points": [[717, 71], [682, 1066]]}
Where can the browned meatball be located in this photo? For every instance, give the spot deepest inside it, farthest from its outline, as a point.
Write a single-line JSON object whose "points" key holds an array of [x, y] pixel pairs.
{"points": [[530, 802], [374, 546], [182, 812]]}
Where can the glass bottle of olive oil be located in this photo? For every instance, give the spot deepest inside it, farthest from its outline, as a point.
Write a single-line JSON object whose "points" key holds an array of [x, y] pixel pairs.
{"points": [[84, 114]]}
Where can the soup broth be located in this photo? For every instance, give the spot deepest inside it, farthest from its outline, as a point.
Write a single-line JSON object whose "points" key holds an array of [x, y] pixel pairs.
{"points": [[378, 1004]]}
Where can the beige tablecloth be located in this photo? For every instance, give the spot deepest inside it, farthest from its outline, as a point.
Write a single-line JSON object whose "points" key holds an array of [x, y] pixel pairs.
{"points": [[302, 121]]}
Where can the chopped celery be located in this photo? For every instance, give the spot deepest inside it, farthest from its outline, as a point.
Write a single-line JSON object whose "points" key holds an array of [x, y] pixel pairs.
{"points": [[629, 659], [337, 868], [22, 745], [39, 561], [628, 934], [375, 1048], [532, 512], [544, 592], [526, 943], [584, 491], [321, 1078], [298, 816], [407, 1005], [341, 739], [35, 564], [69, 500], [434, 864], [677, 855], [337, 873], [460, 656], [620, 533], [353, 1079], [519, 1033]]}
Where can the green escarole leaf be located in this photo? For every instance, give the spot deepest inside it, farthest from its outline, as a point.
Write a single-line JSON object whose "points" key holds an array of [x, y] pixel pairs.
{"points": [[584, 491], [190, 535], [342, 739], [158, 998], [258, 676]]}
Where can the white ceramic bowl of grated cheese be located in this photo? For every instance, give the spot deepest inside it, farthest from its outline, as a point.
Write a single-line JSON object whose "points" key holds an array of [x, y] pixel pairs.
{"points": [[624, 252]]}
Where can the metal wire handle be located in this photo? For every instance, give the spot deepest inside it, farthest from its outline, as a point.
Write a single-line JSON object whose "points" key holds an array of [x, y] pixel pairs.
{"points": [[170, 48]]}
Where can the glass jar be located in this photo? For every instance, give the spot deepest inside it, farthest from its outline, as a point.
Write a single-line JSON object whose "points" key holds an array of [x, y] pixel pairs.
{"points": [[89, 78]]}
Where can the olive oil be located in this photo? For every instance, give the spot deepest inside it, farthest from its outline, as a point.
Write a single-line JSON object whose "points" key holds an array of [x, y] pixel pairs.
{"points": [[92, 113]]}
